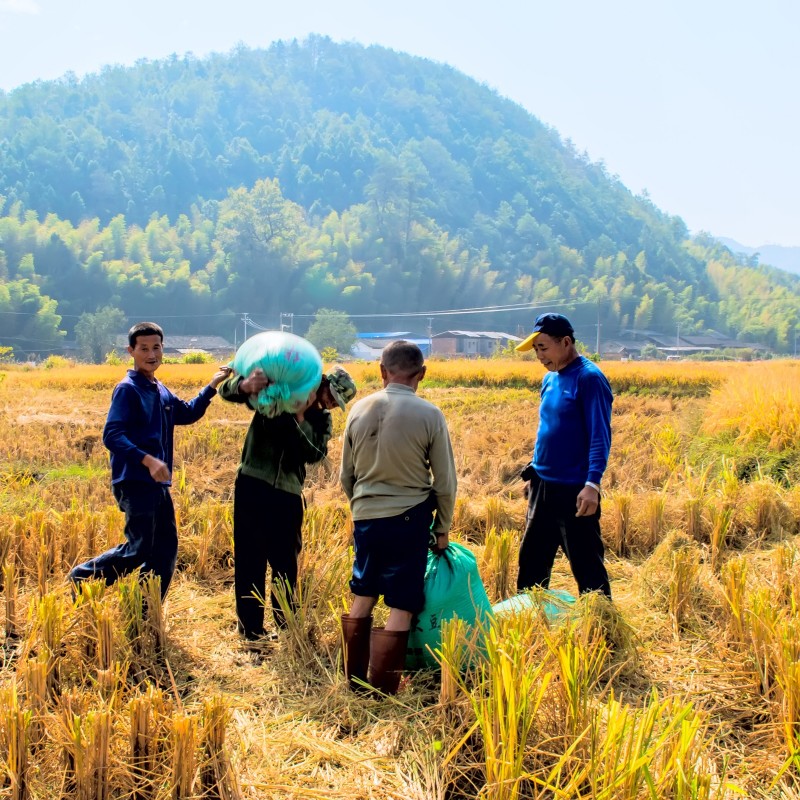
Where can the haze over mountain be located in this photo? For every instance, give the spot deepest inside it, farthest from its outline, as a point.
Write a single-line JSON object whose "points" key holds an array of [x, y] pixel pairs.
{"points": [[776, 255], [323, 175]]}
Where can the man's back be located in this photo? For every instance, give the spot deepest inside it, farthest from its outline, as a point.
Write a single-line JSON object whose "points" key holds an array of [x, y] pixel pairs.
{"points": [[393, 441]]}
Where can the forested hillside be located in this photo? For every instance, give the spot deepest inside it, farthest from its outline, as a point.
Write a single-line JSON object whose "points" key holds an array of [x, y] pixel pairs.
{"points": [[327, 175]]}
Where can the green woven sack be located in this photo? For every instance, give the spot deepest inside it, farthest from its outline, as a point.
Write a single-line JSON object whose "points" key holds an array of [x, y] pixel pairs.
{"points": [[554, 603], [453, 588], [292, 364]]}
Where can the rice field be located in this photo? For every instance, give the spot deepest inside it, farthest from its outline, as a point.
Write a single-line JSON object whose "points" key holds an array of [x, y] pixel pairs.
{"points": [[688, 686]]}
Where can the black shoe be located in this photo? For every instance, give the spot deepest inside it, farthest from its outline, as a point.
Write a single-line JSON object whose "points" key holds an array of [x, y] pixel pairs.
{"points": [[260, 645]]}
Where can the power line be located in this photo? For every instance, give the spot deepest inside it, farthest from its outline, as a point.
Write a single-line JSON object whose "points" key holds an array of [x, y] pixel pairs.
{"points": [[458, 311]]}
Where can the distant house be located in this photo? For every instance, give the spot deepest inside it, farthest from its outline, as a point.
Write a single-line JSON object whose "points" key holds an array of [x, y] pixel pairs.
{"points": [[470, 343], [183, 345], [620, 350], [369, 346], [680, 345]]}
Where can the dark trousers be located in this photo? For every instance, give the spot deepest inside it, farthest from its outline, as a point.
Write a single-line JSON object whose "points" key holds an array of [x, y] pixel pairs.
{"points": [[267, 530], [391, 554], [551, 523], [151, 537]]}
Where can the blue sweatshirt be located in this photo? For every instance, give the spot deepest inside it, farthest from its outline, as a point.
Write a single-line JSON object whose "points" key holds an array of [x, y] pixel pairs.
{"points": [[141, 421], [574, 434]]}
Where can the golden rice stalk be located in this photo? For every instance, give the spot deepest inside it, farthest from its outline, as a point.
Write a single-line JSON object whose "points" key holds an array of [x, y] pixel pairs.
{"points": [[6, 546], [764, 618], [787, 561], [142, 744], [48, 631], [581, 662], [73, 743], [734, 585], [422, 773], [87, 749], [497, 515], [202, 564], [601, 619], [654, 509], [451, 655], [43, 568], [685, 567], [15, 728], [150, 749], [620, 504], [88, 596], [132, 607], [459, 654], [660, 750], [511, 686], [184, 761], [789, 682], [156, 623], [217, 777], [498, 562], [33, 677], [766, 513], [721, 517], [728, 482], [325, 565], [10, 591], [693, 508], [100, 726]]}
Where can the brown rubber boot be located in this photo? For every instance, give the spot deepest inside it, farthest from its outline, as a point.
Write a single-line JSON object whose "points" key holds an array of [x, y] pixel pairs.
{"points": [[355, 645], [387, 655]]}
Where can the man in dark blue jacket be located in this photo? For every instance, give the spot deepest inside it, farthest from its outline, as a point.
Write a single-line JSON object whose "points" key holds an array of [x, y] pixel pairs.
{"points": [[139, 433], [569, 458]]}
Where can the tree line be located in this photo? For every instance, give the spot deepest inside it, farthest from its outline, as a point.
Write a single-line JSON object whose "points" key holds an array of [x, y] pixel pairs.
{"points": [[320, 175]]}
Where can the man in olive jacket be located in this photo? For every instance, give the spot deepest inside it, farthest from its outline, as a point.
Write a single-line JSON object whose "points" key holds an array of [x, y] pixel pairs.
{"points": [[268, 502]]}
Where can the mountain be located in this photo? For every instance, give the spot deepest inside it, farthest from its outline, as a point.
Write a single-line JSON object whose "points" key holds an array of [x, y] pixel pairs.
{"points": [[315, 174], [776, 255]]}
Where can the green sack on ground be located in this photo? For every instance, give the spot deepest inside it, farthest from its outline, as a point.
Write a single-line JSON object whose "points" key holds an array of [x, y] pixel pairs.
{"points": [[554, 603], [453, 588], [292, 364]]}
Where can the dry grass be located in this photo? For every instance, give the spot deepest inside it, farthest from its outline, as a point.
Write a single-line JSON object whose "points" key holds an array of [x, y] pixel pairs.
{"points": [[689, 686]]}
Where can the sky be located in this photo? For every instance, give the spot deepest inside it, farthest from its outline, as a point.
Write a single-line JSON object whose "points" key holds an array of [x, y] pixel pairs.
{"points": [[695, 102]]}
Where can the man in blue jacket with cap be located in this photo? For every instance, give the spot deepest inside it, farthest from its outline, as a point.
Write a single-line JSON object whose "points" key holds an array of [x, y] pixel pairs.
{"points": [[569, 458]]}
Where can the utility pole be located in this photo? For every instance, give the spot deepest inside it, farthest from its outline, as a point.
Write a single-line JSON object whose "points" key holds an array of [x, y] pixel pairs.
{"points": [[245, 320], [430, 336], [597, 343], [287, 325]]}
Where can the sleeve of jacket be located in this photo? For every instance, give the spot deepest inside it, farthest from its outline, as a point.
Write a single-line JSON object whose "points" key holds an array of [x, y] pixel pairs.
{"points": [[596, 401], [315, 432], [187, 412], [121, 414], [347, 474], [445, 481], [229, 390]]}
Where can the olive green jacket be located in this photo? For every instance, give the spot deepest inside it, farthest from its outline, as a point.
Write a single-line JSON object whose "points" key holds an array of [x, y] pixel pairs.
{"points": [[277, 449]]}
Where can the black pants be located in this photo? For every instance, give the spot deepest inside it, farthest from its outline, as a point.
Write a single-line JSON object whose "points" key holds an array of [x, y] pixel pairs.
{"points": [[151, 538], [267, 530], [551, 523]]}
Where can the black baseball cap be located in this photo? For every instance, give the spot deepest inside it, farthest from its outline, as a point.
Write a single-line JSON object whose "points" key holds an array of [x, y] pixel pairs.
{"points": [[556, 325]]}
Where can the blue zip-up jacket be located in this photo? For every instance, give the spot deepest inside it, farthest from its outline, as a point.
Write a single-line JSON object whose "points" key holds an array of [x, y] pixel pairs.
{"points": [[141, 421], [574, 436]]}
